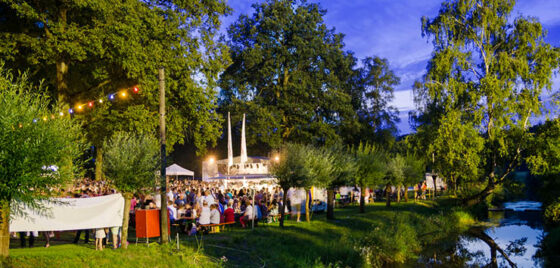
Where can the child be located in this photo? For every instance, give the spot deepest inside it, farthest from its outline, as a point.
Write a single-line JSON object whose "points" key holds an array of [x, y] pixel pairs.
{"points": [[99, 235]]}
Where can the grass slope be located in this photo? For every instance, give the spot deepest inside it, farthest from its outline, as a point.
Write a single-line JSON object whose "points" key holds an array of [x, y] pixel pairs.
{"points": [[387, 235]]}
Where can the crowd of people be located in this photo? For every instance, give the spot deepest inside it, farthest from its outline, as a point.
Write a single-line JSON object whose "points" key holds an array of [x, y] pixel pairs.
{"points": [[195, 205]]}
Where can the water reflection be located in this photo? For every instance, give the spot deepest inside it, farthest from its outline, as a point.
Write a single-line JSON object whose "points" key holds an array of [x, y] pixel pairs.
{"points": [[513, 242]]}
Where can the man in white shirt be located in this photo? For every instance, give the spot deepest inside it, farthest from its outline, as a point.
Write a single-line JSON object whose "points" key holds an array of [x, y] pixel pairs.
{"points": [[248, 215], [172, 210], [204, 214], [209, 198], [170, 195]]}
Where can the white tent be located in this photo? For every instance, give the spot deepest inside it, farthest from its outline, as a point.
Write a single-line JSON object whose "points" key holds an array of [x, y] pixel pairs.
{"points": [[176, 170]]}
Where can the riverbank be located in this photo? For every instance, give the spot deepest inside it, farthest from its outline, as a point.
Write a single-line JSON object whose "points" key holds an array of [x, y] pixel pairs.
{"points": [[403, 233]]}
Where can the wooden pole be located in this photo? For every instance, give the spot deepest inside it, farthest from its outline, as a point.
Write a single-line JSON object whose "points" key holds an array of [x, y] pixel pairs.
{"points": [[163, 182]]}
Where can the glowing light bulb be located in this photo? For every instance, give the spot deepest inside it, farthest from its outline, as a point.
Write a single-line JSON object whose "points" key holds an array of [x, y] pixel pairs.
{"points": [[112, 96], [61, 114], [123, 94], [135, 90], [80, 107], [45, 118], [90, 104], [70, 111], [100, 100]]}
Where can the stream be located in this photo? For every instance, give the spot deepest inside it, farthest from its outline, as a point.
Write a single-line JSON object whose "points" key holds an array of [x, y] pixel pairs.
{"points": [[519, 229], [516, 231]]}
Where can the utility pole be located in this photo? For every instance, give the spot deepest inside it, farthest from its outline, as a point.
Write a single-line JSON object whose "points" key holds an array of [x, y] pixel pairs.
{"points": [[163, 182]]}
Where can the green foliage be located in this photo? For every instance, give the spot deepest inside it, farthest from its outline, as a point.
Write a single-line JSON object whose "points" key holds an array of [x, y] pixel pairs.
{"points": [[131, 161], [28, 149], [290, 75], [86, 49], [344, 167], [396, 170], [544, 154], [371, 97], [413, 170], [321, 165], [371, 164], [457, 150], [292, 168], [552, 213], [487, 73]]}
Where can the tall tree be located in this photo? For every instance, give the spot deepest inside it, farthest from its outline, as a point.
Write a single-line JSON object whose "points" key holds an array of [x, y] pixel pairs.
{"points": [[458, 148], [130, 164], [87, 49], [29, 146], [372, 91], [491, 70], [289, 74]]}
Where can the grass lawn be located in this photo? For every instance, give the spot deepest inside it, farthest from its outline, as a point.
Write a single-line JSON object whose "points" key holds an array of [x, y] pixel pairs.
{"points": [[396, 235]]}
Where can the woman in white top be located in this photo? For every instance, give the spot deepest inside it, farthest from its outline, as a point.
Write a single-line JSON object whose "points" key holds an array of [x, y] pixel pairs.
{"points": [[204, 214], [214, 214]]}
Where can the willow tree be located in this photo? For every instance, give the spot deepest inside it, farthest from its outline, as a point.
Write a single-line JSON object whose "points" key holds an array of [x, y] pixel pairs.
{"points": [[291, 170], [491, 70], [342, 172], [370, 170], [33, 138], [131, 162]]}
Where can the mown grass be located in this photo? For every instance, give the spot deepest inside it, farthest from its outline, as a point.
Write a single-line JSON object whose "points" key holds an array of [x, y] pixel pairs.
{"points": [[394, 235]]}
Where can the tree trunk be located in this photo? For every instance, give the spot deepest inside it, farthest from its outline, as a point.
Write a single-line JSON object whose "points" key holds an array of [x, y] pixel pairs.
{"points": [[477, 198], [362, 199], [4, 230], [406, 194], [330, 204], [98, 163], [388, 193], [126, 215], [283, 207], [307, 202], [398, 194]]}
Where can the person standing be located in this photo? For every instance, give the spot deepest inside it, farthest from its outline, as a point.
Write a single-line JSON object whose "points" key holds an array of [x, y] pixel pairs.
{"points": [[99, 235]]}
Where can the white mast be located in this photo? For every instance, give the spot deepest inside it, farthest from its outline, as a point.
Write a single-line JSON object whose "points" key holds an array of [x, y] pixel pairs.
{"points": [[243, 143], [229, 145]]}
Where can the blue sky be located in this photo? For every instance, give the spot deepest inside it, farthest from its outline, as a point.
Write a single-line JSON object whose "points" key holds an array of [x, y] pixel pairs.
{"points": [[391, 29]]}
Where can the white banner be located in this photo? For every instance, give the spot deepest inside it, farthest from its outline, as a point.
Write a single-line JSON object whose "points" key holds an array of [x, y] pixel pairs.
{"points": [[71, 214]]}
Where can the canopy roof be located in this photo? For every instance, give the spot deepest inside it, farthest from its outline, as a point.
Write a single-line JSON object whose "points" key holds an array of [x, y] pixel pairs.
{"points": [[176, 170]]}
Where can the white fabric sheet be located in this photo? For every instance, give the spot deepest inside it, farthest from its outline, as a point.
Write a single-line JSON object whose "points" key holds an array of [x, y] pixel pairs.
{"points": [[72, 214]]}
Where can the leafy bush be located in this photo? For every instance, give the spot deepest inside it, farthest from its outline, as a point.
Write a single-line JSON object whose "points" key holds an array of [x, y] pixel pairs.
{"points": [[385, 245], [552, 213]]}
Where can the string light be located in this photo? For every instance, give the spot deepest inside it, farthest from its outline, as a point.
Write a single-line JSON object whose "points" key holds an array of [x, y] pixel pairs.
{"points": [[80, 107]]}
